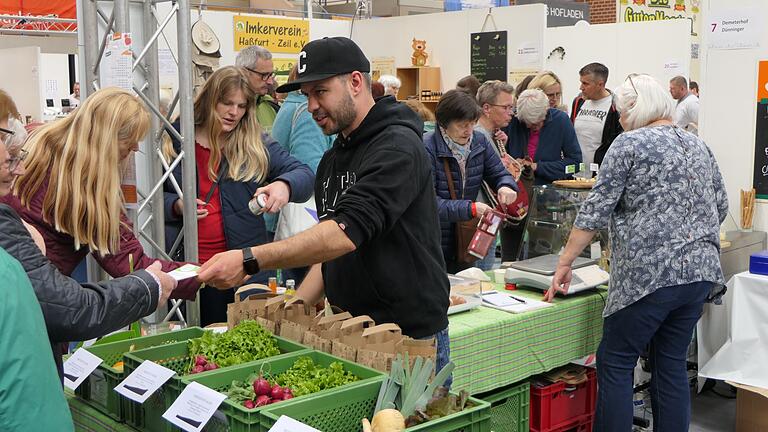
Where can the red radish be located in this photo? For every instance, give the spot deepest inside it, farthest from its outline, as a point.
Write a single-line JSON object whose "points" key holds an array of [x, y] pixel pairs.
{"points": [[198, 369], [261, 386], [277, 392], [249, 404], [262, 400], [286, 392], [287, 395], [200, 360], [211, 366]]}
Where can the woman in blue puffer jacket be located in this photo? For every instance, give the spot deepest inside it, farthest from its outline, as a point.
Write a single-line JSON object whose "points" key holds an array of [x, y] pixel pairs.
{"points": [[471, 160]]}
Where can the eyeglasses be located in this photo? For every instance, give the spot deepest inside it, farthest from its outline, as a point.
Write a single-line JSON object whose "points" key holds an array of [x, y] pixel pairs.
{"points": [[4, 133], [629, 77], [265, 76], [14, 161], [507, 108]]}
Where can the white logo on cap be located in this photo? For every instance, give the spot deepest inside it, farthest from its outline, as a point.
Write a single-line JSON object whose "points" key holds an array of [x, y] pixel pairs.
{"points": [[302, 65]]}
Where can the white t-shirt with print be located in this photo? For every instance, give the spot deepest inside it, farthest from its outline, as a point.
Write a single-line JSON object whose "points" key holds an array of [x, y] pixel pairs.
{"points": [[589, 125], [687, 111]]}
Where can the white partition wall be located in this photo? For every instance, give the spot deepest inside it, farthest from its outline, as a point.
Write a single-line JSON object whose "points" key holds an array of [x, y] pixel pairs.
{"points": [[728, 106], [22, 81], [659, 48], [447, 35]]}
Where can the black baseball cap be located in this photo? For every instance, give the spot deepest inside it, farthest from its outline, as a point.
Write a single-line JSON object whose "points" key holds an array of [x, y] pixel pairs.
{"points": [[325, 58]]}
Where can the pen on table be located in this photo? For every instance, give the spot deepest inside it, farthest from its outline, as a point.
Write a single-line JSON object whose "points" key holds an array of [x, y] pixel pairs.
{"points": [[517, 298]]}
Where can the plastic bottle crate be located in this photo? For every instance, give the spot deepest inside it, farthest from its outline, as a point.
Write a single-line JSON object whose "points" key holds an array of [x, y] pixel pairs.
{"points": [[343, 411], [560, 405], [580, 424], [97, 389], [234, 417], [509, 408], [149, 415]]}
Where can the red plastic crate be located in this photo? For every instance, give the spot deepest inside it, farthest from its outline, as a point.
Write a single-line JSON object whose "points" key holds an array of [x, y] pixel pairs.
{"points": [[560, 407]]}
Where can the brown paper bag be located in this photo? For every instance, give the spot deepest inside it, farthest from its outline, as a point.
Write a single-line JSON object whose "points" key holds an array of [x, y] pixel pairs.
{"points": [[426, 349], [248, 309], [379, 346], [295, 319], [351, 337], [323, 330], [268, 316]]}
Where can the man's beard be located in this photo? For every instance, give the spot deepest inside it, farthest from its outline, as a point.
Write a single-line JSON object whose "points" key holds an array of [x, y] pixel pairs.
{"points": [[343, 116]]}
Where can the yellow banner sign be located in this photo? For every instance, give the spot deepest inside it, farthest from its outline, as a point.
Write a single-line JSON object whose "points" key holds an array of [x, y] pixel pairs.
{"points": [[278, 35]]}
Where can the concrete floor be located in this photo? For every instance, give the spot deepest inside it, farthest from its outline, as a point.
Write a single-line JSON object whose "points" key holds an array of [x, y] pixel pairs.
{"points": [[709, 411]]}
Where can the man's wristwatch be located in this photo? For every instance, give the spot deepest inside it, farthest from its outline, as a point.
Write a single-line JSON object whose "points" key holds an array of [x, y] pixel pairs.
{"points": [[250, 264]]}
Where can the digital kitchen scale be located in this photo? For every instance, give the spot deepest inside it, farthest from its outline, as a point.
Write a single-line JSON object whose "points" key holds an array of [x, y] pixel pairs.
{"points": [[537, 273]]}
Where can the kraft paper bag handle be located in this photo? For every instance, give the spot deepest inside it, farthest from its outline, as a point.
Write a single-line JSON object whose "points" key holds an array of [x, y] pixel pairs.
{"points": [[333, 318], [274, 301], [382, 328], [249, 287], [362, 319], [299, 303]]}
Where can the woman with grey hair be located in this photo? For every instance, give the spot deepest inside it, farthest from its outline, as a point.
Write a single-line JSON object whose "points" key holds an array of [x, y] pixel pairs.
{"points": [[391, 85], [662, 195], [543, 140]]}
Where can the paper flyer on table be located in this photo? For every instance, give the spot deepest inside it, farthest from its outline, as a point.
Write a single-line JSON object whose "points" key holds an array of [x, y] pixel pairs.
{"points": [[144, 381], [513, 304], [184, 272], [78, 367], [194, 407], [287, 424]]}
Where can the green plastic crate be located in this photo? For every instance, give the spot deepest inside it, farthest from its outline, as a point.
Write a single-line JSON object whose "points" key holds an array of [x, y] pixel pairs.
{"points": [[342, 412], [149, 415], [510, 408], [236, 418], [97, 389]]}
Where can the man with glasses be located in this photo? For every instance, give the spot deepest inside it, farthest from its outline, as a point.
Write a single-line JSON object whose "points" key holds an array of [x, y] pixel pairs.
{"points": [[594, 114], [257, 61]]}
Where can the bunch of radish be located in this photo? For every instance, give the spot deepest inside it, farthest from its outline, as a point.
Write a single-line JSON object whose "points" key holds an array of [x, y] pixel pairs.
{"points": [[267, 394], [202, 364]]}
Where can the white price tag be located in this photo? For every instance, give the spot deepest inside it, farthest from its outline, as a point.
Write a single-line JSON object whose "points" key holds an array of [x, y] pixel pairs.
{"points": [[144, 381], [287, 424], [78, 366], [194, 407], [184, 272], [594, 167], [594, 250]]}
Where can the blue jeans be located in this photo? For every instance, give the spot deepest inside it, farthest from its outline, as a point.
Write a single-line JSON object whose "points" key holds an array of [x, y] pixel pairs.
{"points": [[443, 353], [664, 319]]}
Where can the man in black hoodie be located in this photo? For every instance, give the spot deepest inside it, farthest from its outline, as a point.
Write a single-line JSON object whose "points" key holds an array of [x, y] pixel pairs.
{"points": [[378, 238]]}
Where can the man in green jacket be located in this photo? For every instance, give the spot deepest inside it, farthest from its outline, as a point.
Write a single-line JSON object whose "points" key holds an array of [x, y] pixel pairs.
{"points": [[31, 397], [261, 75]]}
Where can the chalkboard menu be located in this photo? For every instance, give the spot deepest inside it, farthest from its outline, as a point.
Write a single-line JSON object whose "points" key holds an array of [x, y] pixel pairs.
{"points": [[760, 182], [488, 55]]}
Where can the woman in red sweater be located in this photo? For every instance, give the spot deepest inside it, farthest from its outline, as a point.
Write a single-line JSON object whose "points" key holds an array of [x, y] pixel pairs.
{"points": [[71, 190]]}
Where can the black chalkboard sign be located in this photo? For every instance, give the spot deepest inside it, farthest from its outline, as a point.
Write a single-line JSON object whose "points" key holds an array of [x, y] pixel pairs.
{"points": [[760, 178], [488, 55]]}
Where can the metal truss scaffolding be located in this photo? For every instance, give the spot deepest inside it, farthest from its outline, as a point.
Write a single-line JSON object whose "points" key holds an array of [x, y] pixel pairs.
{"points": [[95, 26]]}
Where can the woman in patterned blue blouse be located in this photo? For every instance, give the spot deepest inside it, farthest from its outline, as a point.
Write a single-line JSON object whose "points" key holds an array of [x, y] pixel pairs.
{"points": [[661, 194]]}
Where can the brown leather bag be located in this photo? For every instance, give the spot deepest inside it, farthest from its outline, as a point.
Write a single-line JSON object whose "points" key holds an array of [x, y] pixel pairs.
{"points": [[465, 229]]}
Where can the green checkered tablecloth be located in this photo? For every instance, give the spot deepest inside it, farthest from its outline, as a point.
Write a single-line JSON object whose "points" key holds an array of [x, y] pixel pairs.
{"points": [[493, 348], [88, 419]]}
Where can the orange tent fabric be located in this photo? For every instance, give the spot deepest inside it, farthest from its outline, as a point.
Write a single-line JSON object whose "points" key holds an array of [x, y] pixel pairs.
{"points": [[60, 8]]}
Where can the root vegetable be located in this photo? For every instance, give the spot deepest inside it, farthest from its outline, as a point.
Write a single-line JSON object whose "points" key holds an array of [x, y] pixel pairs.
{"points": [[249, 404], [388, 420], [197, 369], [277, 392], [261, 387], [262, 400]]}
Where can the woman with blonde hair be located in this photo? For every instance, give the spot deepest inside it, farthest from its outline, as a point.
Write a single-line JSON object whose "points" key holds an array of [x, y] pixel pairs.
{"points": [[70, 191], [551, 85], [235, 162]]}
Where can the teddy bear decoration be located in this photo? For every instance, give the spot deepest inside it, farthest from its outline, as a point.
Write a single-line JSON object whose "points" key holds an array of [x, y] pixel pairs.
{"points": [[419, 57]]}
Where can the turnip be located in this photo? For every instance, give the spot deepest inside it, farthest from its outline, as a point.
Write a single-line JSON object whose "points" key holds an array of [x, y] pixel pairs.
{"points": [[277, 392], [261, 387], [197, 369], [249, 404], [262, 400], [200, 360]]}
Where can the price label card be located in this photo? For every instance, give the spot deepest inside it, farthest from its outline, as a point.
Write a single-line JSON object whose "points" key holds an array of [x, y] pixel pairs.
{"points": [[184, 272], [78, 366], [594, 251], [582, 167], [144, 381], [194, 407], [570, 169], [594, 167], [287, 424]]}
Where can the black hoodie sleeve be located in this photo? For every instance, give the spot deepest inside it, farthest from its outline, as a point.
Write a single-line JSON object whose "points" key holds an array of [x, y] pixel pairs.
{"points": [[388, 181]]}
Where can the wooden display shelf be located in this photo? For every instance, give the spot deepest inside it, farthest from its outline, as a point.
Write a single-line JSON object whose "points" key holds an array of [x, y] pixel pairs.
{"points": [[414, 80]]}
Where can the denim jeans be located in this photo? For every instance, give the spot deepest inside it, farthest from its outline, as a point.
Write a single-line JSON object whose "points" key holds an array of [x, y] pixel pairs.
{"points": [[443, 353], [664, 319]]}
